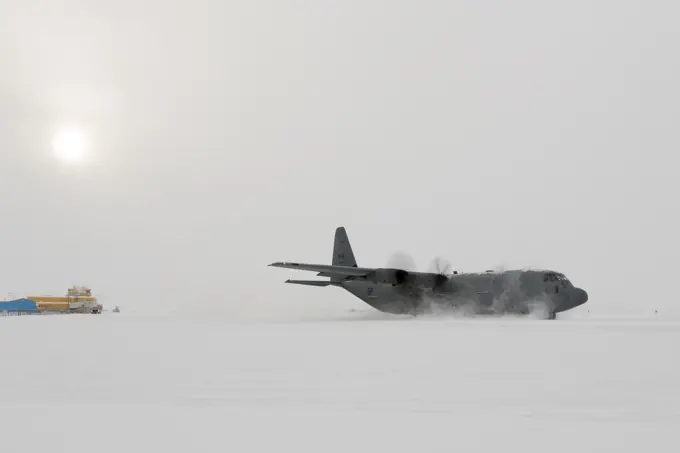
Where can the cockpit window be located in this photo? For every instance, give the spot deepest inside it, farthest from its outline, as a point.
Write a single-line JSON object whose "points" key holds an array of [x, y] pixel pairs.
{"points": [[555, 277]]}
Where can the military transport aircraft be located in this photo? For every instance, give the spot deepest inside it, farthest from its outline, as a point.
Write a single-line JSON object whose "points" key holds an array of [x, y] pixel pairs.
{"points": [[398, 291]]}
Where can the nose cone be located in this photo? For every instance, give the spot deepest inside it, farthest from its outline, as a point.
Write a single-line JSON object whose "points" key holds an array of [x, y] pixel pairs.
{"points": [[573, 299], [583, 295], [579, 297]]}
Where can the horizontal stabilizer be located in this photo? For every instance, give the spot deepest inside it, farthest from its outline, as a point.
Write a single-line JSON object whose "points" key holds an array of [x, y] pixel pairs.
{"points": [[326, 269], [311, 282]]}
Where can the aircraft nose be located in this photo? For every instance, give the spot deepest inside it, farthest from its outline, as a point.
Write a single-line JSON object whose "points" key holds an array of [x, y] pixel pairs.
{"points": [[580, 296], [572, 299]]}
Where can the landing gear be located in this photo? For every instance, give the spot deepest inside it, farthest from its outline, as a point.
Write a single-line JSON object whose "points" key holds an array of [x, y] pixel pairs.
{"points": [[551, 315]]}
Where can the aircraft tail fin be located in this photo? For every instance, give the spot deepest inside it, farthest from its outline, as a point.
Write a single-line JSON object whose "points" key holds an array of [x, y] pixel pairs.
{"points": [[342, 252]]}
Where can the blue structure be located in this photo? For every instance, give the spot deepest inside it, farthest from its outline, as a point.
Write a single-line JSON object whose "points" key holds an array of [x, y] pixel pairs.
{"points": [[23, 305]]}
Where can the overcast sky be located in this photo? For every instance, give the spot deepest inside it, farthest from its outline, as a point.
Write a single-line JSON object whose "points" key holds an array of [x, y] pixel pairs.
{"points": [[224, 135]]}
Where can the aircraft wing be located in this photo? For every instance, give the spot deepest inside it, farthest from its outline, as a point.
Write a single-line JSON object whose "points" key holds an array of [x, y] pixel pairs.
{"points": [[327, 270], [312, 282]]}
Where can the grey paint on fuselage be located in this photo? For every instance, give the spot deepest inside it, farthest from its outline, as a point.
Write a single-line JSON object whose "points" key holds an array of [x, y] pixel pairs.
{"points": [[508, 292]]}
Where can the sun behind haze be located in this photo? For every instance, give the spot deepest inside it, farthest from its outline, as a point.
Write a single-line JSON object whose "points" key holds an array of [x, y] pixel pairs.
{"points": [[69, 145]]}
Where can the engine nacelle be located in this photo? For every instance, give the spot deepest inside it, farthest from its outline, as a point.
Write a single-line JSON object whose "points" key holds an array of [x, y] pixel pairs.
{"points": [[392, 277]]}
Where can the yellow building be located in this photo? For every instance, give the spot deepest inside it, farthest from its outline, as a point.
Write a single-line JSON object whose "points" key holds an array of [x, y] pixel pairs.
{"points": [[79, 299]]}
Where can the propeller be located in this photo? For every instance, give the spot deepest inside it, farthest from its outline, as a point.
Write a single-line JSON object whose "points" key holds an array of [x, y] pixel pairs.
{"points": [[442, 268], [401, 260]]}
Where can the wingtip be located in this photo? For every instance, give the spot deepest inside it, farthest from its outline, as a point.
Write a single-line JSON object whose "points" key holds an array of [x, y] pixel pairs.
{"points": [[285, 264]]}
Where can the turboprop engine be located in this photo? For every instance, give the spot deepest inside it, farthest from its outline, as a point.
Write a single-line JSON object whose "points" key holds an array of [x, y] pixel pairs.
{"points": [[400, 277], [392, 277]]}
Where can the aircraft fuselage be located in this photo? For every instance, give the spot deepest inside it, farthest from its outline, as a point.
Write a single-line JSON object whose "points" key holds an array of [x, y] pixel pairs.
{"points": [[488, 293]]}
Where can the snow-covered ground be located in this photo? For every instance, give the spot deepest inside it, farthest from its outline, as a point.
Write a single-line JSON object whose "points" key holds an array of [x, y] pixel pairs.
{"points": [[357, 382]]}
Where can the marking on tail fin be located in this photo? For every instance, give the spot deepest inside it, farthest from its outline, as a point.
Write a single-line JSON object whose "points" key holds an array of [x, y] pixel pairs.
{"points": [[342, 251]]}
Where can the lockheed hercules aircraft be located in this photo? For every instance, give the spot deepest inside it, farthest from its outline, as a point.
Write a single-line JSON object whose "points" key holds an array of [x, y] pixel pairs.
{"points": [[399, 291]]}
